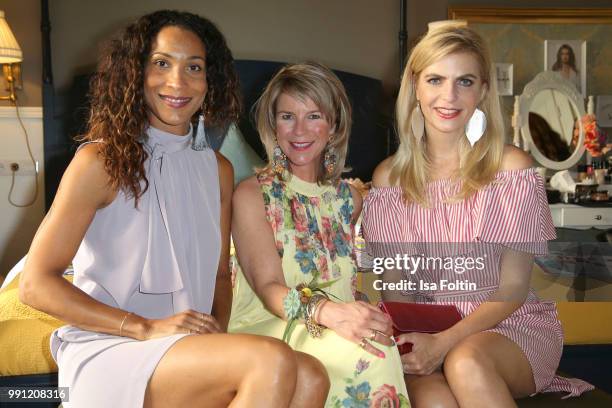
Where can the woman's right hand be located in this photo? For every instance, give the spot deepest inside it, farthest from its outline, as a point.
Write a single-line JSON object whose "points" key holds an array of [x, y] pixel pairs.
{"points": [[188, 321], [359, 322]]}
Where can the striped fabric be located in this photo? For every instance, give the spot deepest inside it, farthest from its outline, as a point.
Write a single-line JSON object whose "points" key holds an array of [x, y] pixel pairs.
{"points": [[511, 212]]}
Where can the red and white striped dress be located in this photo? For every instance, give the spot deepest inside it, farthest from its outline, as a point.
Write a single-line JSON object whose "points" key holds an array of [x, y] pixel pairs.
{"points": [[511, 212]]}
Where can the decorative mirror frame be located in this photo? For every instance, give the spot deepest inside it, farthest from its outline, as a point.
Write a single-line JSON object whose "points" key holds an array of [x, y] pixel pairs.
{"points": [[476, 14], [551, 80]]}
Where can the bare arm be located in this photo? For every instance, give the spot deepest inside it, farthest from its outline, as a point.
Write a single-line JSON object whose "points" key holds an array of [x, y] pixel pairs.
{"points": [[83, 190], [515, 276], [256, 248], [222, 302]]}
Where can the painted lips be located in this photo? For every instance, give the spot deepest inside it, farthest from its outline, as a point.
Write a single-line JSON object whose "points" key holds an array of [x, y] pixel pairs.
{"points": [[447, 113], [175, 102]]}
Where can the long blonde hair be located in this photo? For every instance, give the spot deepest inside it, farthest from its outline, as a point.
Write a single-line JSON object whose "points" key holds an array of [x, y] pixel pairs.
{"points": [[318, 83], [410, 166]]}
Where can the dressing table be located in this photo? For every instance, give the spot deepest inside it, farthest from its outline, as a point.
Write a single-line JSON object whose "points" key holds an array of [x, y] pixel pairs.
{"points": [[578, 217], [544, 120]]}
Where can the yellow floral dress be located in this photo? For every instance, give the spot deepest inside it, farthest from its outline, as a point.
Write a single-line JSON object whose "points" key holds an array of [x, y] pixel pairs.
{"points": [[313, 232]]}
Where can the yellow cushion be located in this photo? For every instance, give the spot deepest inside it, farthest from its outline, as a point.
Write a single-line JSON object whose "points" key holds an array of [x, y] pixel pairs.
{"points": [[586, 322], [24, 335]]}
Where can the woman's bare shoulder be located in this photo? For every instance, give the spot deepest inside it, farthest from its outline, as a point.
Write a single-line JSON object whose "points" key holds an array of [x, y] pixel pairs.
{"points": [[382, 173], [515, 159], [87, 174]]}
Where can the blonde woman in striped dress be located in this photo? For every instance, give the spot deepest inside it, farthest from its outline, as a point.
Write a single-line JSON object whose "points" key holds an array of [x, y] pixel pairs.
{"points": [[454, 191]]}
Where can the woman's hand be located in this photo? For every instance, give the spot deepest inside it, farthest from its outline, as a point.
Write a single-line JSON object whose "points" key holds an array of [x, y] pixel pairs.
{"points": [[358, 322], [188, 321], [427, 355]]}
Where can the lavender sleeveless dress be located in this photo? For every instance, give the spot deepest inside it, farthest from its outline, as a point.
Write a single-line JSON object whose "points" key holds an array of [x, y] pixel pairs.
{"points": [[155, 260]]}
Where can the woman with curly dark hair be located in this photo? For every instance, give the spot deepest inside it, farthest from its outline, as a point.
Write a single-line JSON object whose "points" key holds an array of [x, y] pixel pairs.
{"points": [[143, 212]]}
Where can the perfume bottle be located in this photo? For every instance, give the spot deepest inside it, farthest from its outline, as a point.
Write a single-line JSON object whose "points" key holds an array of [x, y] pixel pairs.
{"points": [[599, 171]]}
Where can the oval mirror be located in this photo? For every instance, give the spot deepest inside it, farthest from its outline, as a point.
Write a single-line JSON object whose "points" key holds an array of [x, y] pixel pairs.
{"points": [[551, 108]]}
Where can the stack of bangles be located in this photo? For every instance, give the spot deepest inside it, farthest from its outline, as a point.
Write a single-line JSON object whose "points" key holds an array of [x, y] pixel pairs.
{"points": [[314, 303]]}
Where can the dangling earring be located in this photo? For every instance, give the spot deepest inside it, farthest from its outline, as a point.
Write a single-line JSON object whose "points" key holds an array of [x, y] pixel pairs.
{"points": [[476, 126], [199, 141], [279, 160], [329, 160], [417, 122]]}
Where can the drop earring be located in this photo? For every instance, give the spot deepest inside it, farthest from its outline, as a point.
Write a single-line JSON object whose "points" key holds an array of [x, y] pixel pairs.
{"points": [[417, 122], [329, 160], [279, 160], [476, 126], [199, 141]]}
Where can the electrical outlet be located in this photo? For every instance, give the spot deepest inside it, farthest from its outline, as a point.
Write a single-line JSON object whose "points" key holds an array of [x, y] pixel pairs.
{"points": [[24, 167]]}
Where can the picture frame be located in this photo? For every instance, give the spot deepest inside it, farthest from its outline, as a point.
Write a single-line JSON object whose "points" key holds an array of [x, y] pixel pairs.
{"points": [[604, 111], [569, 59], [504, 73]]}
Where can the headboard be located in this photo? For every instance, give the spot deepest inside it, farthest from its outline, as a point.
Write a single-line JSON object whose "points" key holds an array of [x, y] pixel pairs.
{"points": [[65, 115]]}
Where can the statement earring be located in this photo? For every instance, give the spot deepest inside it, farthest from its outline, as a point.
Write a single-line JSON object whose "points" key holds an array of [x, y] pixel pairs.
{"points": [[199, 141], [329, 160], [476, 126], [417, 122], [279, 160]]}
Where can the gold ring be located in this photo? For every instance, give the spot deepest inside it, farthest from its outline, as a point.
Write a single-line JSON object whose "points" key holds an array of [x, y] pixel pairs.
{"points": [[363, 343], [373, 335]]}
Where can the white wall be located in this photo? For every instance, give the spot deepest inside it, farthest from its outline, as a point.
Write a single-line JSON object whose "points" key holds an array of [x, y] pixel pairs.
{"points": [[18, 225]]}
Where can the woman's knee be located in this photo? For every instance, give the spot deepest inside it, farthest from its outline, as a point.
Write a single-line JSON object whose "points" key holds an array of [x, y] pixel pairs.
{"points": [[276, 357], [312, 374], [467, 365], [430, 391]]}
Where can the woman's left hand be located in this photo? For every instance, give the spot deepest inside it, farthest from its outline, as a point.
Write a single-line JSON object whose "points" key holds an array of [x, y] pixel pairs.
{"points": [[427, 355]]}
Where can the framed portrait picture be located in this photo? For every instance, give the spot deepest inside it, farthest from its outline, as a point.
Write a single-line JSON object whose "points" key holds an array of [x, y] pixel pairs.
{"points": [[568, 58], [604, 111], [504, 75]]}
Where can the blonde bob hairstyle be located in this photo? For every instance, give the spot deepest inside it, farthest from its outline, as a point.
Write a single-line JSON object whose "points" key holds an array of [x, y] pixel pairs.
{"points": [[410, 166], [318, 83]]}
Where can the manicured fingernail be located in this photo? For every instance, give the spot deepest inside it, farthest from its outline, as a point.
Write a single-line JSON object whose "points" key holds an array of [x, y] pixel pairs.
{"points": [[381, 355]]}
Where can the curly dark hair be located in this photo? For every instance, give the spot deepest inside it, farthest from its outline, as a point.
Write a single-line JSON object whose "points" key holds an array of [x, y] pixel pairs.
{"points": [[118, 111]]}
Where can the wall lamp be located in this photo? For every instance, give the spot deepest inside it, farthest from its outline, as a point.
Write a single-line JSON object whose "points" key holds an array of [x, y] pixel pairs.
{"points": [[10, 58]]}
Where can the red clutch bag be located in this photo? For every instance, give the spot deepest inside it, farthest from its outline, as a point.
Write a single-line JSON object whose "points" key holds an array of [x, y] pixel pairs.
{"points": [[420, 318]]}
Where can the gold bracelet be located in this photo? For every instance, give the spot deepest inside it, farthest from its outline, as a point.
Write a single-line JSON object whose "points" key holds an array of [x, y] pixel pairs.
{"points": [[122, 323], [316, 310], [314, 329]]}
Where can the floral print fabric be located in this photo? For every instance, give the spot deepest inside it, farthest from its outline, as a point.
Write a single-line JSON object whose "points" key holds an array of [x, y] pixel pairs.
{"points": [[313, 232]]}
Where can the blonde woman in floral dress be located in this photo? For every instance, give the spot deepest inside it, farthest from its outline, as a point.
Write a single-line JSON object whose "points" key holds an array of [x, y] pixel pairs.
{"points": [[293, 224]]}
